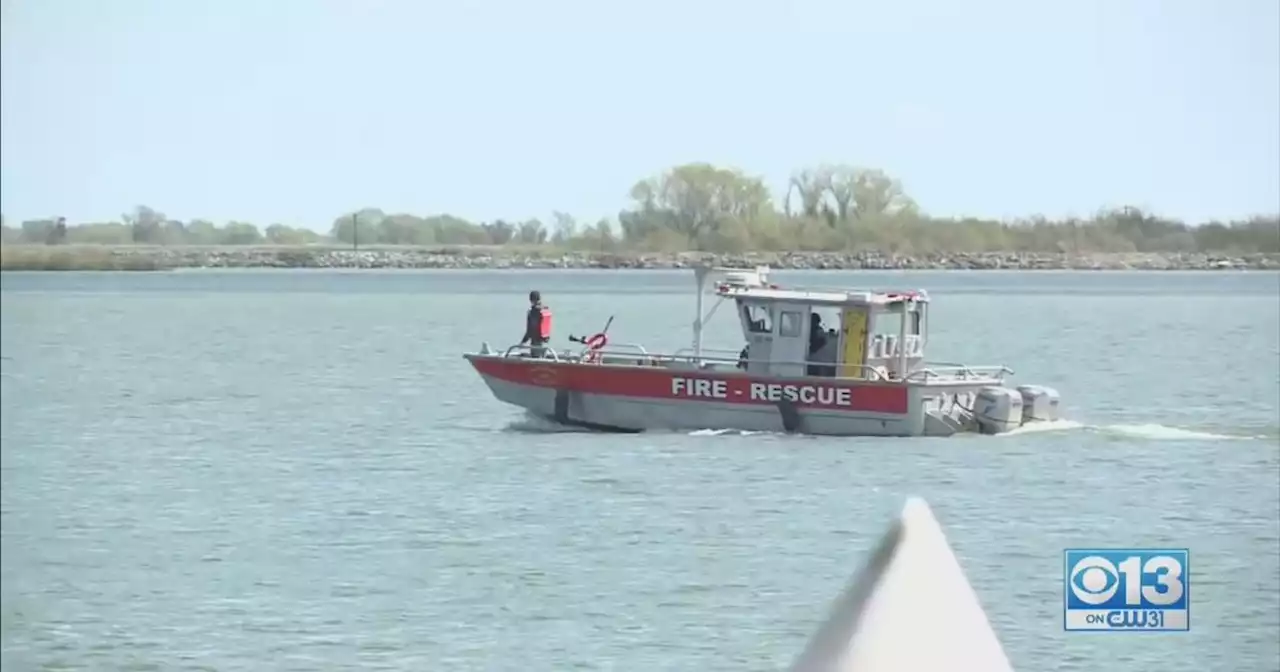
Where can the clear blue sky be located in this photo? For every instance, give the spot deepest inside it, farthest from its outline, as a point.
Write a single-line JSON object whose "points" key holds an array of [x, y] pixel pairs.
{"points": [[296, 111]]}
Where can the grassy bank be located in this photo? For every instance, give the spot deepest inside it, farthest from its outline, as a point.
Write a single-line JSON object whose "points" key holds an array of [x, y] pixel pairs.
{"points": [[77, 258], [154, 258]]}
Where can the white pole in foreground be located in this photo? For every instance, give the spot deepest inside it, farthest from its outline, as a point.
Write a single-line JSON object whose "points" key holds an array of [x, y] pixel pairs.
{"points": [[909, 609]]}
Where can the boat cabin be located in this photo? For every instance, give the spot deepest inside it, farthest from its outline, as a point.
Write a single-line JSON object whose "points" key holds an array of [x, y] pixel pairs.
{"points": [[856, 334]]}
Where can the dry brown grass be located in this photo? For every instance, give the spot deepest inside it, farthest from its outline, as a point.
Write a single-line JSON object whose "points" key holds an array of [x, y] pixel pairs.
{"points": [[72, 258]]}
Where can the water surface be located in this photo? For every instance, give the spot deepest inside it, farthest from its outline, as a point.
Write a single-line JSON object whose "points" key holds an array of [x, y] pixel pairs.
{"points": [[245, 470]]}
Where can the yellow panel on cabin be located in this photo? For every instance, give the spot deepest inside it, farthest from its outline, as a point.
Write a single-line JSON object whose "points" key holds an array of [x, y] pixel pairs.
{"points": [[853, 324]]}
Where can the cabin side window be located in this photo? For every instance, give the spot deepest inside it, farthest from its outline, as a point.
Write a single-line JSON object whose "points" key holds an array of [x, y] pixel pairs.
{"points": [[759, 319], [886, 322], [790, 324]]}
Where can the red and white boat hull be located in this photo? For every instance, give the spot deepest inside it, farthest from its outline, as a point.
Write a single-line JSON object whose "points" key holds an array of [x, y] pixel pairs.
{"points": [[637, 398]]}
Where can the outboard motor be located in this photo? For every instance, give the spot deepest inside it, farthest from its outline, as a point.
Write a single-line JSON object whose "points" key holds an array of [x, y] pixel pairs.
{"points": [[997, 410], [1039, 403]]}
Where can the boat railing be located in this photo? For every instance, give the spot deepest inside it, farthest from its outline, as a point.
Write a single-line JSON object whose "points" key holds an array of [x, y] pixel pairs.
{"points": [[921, 296], [522, 350], [724, 353], [934, 372], [611, 349], [551, 353], [887, 346], [866, 372], [947, 372]]}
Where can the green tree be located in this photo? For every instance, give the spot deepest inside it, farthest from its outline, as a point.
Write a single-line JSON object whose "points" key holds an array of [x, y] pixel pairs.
{"points": [[365, 223], [531, 232], [699, 206], [241, 233], [564, 228], [146, 224], [202, 232], [279, 234], [697, 200], [870, 192]]}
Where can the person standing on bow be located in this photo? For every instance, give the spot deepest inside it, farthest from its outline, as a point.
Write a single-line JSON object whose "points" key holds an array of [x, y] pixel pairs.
{"points": [[537, 325]]}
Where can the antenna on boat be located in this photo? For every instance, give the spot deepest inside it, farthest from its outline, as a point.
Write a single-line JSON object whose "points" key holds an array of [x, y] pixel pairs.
{"points": [[700, 273], [602, 332]]}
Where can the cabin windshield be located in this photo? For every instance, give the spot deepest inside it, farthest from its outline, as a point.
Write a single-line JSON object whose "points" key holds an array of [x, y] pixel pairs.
{"points": [[886, 323], [828, 319], [790, 323], [759, 318]]}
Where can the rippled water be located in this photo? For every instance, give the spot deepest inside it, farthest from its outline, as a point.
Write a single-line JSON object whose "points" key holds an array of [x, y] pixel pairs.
{"points": [[297, 470]]}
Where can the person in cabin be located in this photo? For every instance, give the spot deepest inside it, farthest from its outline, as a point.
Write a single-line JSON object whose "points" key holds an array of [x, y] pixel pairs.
{"points": [[537, 325], [817, 333], [817, 341]]}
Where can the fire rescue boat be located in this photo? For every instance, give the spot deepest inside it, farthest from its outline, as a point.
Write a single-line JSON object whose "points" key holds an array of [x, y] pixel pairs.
{"points": [[862, 374]]}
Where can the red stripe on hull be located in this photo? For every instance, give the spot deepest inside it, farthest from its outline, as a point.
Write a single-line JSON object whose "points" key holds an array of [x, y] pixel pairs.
{"points": [[668, 384]]}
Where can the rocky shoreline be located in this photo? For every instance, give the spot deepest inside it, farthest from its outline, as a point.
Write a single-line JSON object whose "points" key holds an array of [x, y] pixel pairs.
{"points": [[53, 258]]}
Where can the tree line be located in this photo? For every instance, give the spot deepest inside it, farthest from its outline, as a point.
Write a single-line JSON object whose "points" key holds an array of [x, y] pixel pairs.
{"points": [[699, 206]]}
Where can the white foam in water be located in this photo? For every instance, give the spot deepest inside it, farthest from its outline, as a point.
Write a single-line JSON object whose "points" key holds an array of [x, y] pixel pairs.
{"points": [[535, 424], [1149, 431], [723, 432], [1050, 426], [1165, 433]]}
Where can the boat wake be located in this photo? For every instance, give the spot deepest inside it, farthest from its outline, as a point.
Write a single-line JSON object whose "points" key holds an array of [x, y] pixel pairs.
{"points": [[536, 424], [1166, 433], [1149, 431], [726, 432], [1041, 427]]}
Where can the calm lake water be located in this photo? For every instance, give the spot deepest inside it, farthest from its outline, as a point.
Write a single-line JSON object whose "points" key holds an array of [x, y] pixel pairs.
{"points": [[298, 471]]}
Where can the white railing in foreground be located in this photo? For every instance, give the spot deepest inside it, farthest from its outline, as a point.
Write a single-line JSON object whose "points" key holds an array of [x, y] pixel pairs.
{"points": [[910, 607]]}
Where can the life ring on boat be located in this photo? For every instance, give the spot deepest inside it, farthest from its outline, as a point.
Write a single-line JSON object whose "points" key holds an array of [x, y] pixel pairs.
{"points": [[594, 343]]}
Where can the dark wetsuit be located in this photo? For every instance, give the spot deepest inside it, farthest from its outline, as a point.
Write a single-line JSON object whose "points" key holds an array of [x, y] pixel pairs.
{"points": [[533, 330], [817, 341]]}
